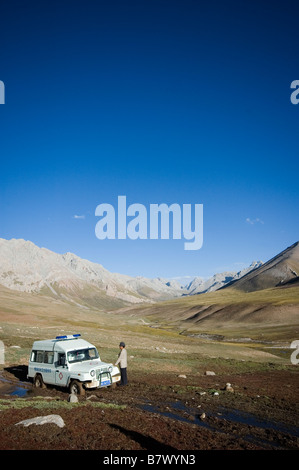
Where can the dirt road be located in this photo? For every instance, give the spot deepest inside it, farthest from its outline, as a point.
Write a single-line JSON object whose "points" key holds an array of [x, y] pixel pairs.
{"points": [[158, 413]]}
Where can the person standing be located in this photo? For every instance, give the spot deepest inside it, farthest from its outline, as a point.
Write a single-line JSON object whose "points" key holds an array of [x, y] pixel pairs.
{"points": [[122, 361]]}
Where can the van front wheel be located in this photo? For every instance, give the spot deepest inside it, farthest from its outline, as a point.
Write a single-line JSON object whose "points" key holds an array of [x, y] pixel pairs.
{"points": [[38, 382], [76, 388]]}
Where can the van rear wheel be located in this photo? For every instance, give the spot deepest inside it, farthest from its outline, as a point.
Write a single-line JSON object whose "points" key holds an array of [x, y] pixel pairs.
{"points": [[76, 388], [38, 382]]}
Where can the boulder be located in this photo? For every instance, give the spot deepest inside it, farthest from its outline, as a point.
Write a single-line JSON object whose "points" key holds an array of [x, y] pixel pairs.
{"points": [[229, 388], [49, 419], [73, 398]]}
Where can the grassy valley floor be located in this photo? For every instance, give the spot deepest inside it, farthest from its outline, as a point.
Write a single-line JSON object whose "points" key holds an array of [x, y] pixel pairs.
{"points": [[170, 403]]}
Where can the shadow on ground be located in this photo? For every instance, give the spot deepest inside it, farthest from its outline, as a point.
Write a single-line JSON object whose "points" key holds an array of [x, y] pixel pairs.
{"points": [[146, 442]]}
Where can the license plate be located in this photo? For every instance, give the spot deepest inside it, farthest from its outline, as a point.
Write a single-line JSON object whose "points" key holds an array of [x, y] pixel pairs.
{"points": [[105, 382]]}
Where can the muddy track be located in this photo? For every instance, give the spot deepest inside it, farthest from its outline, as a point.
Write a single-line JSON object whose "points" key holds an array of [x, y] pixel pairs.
{"points": [[161, 413]]}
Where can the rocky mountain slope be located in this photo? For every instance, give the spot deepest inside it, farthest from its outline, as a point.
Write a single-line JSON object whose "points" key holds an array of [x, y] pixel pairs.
{"points": [[27, 268], [281, 270], [201, 286]]}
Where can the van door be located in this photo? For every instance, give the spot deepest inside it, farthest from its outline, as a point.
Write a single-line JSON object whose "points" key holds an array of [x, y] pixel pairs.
{"points": [[42, 362], [61, 372], [49, 366]]}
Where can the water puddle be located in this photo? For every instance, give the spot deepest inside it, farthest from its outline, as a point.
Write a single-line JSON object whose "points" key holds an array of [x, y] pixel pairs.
{"points": [[178, 417], [251, 420], [19, 392], [184, 414], [12, 387]]}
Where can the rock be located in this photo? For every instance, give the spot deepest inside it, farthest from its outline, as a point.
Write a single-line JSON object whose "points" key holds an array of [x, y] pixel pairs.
{"points": [[202, 393], [209, 372], [202, 416], [229, 388], [215, 394], [182, 376], [55, 419], [73, 398]]}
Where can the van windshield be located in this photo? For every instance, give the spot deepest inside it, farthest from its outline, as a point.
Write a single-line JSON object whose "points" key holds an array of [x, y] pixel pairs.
{"points": [[79, 355]]}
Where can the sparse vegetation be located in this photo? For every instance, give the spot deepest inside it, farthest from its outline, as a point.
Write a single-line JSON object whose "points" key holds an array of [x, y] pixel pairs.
{"points": [[41, 403]]}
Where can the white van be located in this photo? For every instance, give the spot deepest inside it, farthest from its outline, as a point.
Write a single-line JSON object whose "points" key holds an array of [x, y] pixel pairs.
{"points": [[72, 362]]}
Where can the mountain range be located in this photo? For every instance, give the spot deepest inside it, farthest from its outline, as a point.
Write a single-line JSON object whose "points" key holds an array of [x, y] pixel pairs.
{"points": [[281, 270], [26, 267], [202, 286]]}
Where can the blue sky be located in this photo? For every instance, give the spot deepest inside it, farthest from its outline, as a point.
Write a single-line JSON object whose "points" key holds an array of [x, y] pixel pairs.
{"points": [[161, 101]]}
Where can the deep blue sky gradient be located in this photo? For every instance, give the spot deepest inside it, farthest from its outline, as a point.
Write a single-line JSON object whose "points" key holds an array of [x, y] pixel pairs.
{"points": [[161, 101]]}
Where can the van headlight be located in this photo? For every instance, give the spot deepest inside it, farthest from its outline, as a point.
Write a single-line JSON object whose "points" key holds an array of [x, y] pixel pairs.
{"points": [[110, 369], [92, 373]]}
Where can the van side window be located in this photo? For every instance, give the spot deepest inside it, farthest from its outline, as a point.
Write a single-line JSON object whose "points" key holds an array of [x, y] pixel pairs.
{"points": [[61, 359], [37, 356], [33, 356], [49, 357]]}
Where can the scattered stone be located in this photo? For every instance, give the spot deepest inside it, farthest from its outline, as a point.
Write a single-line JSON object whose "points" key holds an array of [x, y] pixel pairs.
{"points": [[48, 398], [202, 416], [229, 388], [55, 419], [215, 394], [209, 372], [182, 376], [73, 398], [202, 393], [91, 397]]}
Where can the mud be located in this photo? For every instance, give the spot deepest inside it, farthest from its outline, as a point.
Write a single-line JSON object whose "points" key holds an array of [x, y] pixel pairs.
{"points": [[158, 413]]}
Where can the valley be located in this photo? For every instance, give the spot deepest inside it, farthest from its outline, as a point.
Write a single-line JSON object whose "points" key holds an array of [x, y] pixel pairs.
{"points": [[182, 353]]}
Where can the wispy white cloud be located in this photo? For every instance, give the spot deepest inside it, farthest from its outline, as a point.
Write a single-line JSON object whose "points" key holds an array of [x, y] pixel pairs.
{"points": [[254, 221], [78, 216]]}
